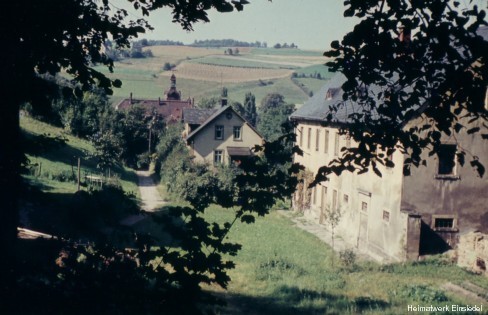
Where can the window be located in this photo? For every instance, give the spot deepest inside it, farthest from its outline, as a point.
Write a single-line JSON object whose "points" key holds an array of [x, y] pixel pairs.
{"points": [[442, 223], [447, 159], [219, 132], [336, 145], [317, 139], [309, 136], [364, 207], [218, 154], [237, 133], [326, 142], [386, 216], [346, 199], [301, 137]]}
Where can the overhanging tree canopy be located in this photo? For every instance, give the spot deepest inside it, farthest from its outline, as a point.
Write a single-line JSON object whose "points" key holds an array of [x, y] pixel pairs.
{"points": [[421, 58], [47, 37]]}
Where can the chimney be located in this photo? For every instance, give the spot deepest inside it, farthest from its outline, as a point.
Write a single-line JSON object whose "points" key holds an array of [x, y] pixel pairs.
{"points": [[130, 98], [223, 98]]}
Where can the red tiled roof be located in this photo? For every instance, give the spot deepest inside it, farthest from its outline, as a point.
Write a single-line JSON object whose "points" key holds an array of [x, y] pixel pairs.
{"points": [[170, 110]]}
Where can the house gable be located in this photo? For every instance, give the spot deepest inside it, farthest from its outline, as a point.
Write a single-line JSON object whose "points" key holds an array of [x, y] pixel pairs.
{"points": [[225, 135]]}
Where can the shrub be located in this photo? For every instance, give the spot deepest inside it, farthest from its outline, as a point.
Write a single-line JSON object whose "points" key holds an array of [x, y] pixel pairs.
{"points": [[347, 257], [422, 293], [275, 269]]}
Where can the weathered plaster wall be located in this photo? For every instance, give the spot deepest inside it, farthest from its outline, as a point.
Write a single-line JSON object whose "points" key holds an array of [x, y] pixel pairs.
{"points": [[367, 228], [473, 252], [464, 197]]}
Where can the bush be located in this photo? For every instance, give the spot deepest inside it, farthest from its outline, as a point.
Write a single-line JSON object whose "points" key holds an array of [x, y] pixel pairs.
{"points": [[64, 176], [421, 293], [143, 160], [347, 257], [275, 269]]}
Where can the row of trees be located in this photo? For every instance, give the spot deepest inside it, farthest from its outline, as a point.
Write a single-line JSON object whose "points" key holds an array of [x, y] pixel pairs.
{"points": [[165, 42], [119, 137], [230, 51], [135, 51], [284, 45], [227, 43]]}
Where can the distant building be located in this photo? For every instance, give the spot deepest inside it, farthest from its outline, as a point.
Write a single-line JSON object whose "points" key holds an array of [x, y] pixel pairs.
{"points": [[393, 217], [170, 107], [219, 135]]}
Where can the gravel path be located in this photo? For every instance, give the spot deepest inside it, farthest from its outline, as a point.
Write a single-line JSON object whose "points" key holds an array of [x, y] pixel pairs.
{"points": [[151, 199]]}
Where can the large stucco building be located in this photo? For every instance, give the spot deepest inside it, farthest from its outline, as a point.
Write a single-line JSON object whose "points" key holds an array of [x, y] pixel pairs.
{"points": [[393, 217]]}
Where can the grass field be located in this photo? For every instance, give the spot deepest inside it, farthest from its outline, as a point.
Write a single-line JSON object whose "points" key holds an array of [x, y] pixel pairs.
{"points": [[322, 69], [298, 274], [59, 163], [311, 84], [201, 71], [286, 52], [241, 62]]}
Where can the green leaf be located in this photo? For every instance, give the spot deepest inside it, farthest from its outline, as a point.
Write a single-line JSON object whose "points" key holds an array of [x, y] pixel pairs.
{"points": [[473, 130], [478, 166]]}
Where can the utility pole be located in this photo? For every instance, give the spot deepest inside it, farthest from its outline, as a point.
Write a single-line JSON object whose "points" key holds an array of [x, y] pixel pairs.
{"points": [[79, 173]]}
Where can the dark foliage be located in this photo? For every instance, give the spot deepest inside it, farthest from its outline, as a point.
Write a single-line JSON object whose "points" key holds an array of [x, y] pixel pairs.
{"points": [[272, 113], [405, 59], [46, 38]]}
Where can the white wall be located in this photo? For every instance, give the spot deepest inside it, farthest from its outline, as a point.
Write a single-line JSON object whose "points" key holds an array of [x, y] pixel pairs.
{"points": [[365, 229], [203, 144]]}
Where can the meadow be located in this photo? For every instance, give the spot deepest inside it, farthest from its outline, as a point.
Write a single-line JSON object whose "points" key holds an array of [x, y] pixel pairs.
{"points": [[202, 72], [299, 274], [52, 158]]}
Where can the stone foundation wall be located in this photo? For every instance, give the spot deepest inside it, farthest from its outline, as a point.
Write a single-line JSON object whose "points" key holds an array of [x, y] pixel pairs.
{"points": [[472, 252]]}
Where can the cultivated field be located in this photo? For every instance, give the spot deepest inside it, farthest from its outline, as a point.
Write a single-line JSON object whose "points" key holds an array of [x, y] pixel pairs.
{"points": [[201, 72], [226, 74]]}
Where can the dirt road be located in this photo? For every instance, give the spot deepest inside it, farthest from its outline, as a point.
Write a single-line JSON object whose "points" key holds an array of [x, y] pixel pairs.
{"points": [[151, 199]]}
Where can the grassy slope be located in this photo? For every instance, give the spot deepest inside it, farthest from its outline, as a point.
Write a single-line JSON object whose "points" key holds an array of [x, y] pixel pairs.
{"points": [[284, 270], [60, 160]]}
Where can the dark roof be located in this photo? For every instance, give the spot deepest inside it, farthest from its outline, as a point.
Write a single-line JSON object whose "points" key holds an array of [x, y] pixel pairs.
{"points": [[209, 119], [216, 114], [170, 110], [197, 116], [318, 107], [239, 151]]}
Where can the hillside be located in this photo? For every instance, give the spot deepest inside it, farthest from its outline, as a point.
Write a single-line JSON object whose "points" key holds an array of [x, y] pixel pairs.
{"points": [[201, 72], [51, 203]]}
